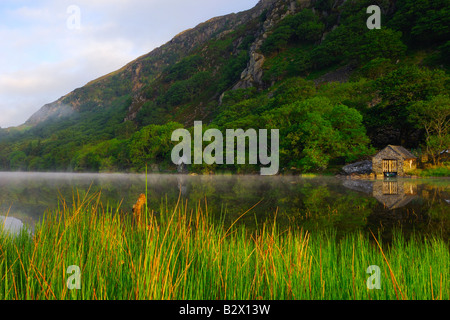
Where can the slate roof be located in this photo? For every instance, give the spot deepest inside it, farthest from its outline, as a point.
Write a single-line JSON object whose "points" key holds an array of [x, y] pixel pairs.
{"points": [[402, 152]]}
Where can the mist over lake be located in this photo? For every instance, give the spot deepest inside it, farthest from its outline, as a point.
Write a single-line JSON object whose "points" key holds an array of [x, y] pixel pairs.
{"points": [[312, 203]]}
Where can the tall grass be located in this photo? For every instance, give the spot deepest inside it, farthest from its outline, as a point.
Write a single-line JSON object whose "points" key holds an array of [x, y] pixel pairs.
{"points": [[182, 253]]}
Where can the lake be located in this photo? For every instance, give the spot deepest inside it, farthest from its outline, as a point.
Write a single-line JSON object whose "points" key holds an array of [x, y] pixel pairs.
{"points": [[312, 203]]}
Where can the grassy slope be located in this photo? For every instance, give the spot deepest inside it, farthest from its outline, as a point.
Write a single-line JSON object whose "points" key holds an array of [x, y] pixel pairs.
{"points": [[435, 171]]}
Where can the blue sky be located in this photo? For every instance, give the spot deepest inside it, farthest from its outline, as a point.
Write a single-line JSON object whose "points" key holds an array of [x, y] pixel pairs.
{"points": [[42, 59]]}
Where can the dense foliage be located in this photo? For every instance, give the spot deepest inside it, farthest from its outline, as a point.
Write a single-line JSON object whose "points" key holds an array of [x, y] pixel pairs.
{"points": [[396, 92]]}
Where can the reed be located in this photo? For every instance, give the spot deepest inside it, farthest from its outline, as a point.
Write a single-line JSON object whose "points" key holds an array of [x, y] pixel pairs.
{"points": [[184, 254]]}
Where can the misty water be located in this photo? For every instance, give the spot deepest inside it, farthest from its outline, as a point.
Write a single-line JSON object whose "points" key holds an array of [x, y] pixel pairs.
{"points": [[312, 203]]}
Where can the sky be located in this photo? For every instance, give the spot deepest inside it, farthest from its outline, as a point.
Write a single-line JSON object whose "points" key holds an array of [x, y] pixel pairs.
{"points": [[48, 48]]}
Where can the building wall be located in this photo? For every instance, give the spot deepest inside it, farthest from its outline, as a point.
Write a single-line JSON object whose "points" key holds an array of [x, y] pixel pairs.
{"points": [[403, 165], [386, 154]]}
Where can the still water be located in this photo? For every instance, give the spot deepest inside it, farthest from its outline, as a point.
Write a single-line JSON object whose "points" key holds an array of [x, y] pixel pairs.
{"points": [[317, 203]]}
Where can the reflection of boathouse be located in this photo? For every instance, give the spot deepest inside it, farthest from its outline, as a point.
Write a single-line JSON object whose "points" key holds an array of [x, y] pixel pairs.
{"points": [[394, 194], [393, 161]]}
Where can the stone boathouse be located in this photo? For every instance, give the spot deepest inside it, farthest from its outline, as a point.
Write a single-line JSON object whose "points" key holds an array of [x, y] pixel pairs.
{"points": [[393, 161]]}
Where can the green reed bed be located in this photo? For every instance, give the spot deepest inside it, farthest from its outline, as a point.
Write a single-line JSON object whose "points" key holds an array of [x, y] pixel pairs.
{"points": [[183, 254]]}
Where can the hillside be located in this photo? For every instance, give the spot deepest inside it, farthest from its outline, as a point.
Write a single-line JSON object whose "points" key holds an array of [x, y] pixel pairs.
{"points": [[311, 68]]}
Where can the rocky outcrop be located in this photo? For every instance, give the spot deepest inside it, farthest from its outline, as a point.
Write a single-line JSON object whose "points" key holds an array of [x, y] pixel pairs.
{"points": [[252, 75], [146, 68], [275, 12], [362, 167], [133, 79]]}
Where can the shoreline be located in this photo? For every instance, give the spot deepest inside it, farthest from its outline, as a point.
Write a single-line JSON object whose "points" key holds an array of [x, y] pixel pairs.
{"points": [[250, 174]]}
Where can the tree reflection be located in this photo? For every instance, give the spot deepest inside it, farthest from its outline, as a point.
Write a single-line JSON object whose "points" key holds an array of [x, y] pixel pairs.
{"points": [[294, 202]]}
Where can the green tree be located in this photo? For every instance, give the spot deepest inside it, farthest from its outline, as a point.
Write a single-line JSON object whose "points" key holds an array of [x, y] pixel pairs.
{"points": [[445, 52], [409, 84], [304, 26], [36, 164], [292, 90], [152, 145], [307, 25], [425, 21], [177, 93], [278, 40], [185, 68], [315, 133], [434, 117], [338, 46], [17, 160], [352, 141], [383, 43]]}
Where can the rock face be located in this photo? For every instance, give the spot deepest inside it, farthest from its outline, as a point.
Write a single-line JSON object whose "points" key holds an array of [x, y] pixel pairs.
{"points": [[274, 12], [135, 78], [252, 75], [362, 167], [132, 77]]}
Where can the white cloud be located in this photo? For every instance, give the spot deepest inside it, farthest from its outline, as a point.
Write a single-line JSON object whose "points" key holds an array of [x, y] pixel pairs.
{"points": [[42, 60], [42, 14]]}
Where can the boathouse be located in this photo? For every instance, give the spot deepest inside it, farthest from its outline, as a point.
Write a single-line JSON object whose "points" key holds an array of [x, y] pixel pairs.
{"points": [[393, 161]]}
